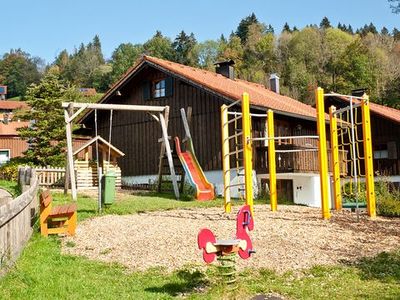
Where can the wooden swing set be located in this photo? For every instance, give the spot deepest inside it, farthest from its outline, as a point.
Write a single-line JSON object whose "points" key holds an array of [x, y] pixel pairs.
{"points": [[158, 113]]}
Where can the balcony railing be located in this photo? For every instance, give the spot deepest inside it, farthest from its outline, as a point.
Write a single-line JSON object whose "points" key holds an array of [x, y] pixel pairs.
{"points": [[295, 162]]}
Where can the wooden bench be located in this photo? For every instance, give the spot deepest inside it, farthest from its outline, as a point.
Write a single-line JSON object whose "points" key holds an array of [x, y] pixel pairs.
{"points": [[57, 219]]}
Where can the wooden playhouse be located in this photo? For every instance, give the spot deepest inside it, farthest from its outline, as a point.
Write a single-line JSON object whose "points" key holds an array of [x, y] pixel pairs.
{"points": [[86, 168]]}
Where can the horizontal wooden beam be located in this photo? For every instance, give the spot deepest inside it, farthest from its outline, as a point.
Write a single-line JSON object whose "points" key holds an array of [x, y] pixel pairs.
{"points": [[98, 106]]}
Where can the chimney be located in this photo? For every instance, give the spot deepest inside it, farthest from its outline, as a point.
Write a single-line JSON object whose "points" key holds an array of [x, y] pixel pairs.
{"points": [[274, 83], [5, 118], [225, 68], [359, 92]]}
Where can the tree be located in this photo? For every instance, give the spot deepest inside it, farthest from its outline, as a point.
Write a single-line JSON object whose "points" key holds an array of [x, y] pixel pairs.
{"points": [[286, 28], [325, 23], [184, 46], [159, 46], [356, 66], [46, 134], [243, 27], [124, 57], [395, 6], [233, 50], [384, 31], [335, 43], [18, 70], [367, 29], [396, 34], [82, 66], [207, 54]]}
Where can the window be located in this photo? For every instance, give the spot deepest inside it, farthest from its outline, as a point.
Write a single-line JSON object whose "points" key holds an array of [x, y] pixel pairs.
{"points": [[4, 156], [159, 89], [381, 151]]}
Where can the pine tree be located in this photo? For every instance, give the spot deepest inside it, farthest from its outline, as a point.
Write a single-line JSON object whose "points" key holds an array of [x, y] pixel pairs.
{"points": [[46, 134], [243, 28], [325, 23], [396, 34], [184, 45], [384, 31], [395, 6], [350, 29], [286, 28]]}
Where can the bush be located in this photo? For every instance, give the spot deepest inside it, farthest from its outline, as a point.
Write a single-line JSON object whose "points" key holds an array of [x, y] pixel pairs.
{"points": [[387, 199], [9, 171]]}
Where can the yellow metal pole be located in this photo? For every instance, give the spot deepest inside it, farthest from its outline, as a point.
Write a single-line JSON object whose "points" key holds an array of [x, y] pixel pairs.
{"points": [[225, 158], [247, 150], [368, 157], [335, 159], [322, 153], [271, 161]]}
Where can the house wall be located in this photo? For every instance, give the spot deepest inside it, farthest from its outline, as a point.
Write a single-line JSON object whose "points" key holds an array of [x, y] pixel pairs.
{"points": [[306, 187], [15, 145], [137, 133]]}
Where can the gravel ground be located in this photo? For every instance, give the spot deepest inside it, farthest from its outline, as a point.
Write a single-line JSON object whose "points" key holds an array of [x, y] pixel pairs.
{"points": [[295, 237]]}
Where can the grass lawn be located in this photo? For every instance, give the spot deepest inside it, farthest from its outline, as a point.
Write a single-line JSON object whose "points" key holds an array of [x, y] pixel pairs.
{"points": [[11, 187], [42, 272]]}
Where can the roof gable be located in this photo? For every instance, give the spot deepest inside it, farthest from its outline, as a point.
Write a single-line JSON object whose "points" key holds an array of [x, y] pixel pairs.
{"points": [[381, 110], [116, 152]]}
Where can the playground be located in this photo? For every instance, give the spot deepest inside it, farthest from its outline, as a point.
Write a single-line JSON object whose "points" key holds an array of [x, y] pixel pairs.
{"points": [[293, 238]]}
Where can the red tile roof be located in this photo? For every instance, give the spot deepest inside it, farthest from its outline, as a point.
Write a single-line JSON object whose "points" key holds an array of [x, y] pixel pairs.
{"points": [[229, 88], [12, 105], [233, 89], [384, 111], [11, 128]]}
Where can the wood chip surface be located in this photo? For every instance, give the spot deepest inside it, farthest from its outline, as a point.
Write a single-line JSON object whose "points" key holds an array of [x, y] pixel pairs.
{"points": [[295, 237]]}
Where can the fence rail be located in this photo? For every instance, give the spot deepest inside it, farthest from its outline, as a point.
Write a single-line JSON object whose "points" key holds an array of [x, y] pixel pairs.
{"points": [[17, 218], [50, 176]]}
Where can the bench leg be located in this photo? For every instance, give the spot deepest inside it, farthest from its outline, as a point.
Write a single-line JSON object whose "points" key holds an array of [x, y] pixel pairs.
{"points": [[72, 224], [44, 230]]}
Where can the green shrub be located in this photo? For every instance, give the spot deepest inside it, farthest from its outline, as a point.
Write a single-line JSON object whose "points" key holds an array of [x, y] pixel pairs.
{"points": [[387, 199], [9, 171]]}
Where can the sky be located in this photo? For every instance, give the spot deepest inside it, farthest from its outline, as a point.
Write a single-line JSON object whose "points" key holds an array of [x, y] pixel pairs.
{"points": [[45, 27]]}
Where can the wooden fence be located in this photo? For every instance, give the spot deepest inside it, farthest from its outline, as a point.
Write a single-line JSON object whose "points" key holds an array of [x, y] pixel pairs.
{"points": [[17, 218], [50, 176], [85, 172]]}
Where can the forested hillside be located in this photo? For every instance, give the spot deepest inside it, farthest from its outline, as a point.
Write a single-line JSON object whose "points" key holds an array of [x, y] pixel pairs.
{"points": [[338, 58]]}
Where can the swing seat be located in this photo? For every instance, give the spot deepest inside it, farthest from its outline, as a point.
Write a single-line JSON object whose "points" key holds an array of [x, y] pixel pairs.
{"points": [[354, 205]]}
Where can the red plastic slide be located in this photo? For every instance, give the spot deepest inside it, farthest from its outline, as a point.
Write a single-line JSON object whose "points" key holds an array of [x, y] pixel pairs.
{"points": [[204, 189]]}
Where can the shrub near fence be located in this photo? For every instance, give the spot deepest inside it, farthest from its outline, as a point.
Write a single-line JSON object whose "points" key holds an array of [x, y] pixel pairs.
{"points": [[17, 219]]}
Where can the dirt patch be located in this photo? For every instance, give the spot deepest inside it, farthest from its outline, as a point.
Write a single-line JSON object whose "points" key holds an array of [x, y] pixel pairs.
{"points": [[295, 237]]}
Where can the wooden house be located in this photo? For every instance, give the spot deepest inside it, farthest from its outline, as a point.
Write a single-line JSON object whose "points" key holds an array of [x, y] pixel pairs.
{"points": [[155, 81], [385, 130], [11, 145], [86, 169]]}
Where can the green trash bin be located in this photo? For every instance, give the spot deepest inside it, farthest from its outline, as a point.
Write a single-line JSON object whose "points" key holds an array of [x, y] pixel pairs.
{"points": [[108, 188]]}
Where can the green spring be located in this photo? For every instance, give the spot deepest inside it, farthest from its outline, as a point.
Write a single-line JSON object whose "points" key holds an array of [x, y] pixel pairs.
{"points": [[227, 269]]}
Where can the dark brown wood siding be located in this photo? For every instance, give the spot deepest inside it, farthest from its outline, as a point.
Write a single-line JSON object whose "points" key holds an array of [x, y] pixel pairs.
{"points": [[137, 133]]}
